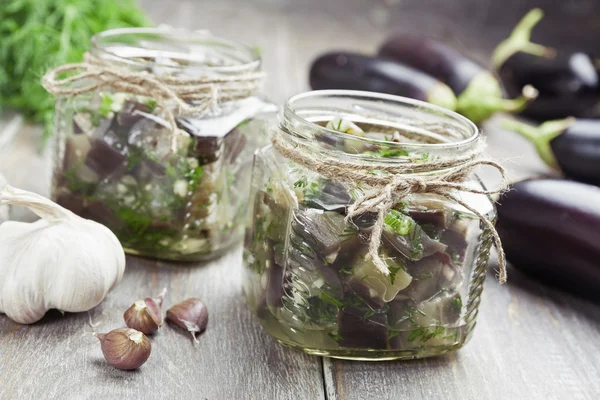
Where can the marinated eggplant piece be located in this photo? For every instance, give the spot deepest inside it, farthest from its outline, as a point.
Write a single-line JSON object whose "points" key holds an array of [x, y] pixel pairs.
{"points": [[357, 332], [431, 275], [455, 237], [429, 323], [131, 113], [234, 143], [434, 219], [403, 234], [324, 231], [378, 288], [332, 196], [275, 286], [104, 159]]}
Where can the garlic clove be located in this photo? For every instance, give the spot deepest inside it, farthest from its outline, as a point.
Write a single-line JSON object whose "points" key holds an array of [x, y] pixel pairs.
{"points": [[125, 348], [146, 315], [190, 314]]}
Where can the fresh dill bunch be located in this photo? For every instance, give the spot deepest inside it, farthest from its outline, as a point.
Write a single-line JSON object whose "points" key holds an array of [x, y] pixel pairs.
{"points": [[36, 35]]}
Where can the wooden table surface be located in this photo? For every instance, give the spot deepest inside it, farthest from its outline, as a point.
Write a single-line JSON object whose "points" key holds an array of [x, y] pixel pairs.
{"points": [[531, 342]]}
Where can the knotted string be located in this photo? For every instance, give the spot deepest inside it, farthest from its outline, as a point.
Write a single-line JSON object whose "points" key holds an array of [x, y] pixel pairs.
{"points": [[442, 178], [190, 95]]}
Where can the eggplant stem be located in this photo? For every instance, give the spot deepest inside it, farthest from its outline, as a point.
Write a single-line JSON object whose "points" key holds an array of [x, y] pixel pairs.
{"points": [[520, 41], [483, 97], [529, 93], [541, 136]]}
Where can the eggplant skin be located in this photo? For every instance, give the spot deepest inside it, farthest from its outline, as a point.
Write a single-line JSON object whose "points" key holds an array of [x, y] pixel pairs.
{"points": [[550, 229], [577, 151], [343, 70], [568, 86], [433, 58]]}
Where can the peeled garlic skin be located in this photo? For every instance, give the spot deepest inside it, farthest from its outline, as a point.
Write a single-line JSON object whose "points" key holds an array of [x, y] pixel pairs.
{"points": [[59, 262], [125, 348]]}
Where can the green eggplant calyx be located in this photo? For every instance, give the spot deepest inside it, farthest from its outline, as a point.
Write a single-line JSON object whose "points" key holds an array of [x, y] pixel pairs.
{"points": [[520, 41], [483, 97], [541, 136], [441, 95]]}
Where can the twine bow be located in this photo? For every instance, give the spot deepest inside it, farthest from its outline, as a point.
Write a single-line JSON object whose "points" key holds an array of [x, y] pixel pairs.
{"points": [[190, 95], [387, 189]]}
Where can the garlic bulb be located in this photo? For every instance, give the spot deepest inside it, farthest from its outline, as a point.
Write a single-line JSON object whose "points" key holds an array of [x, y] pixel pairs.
{"points": [[3, 208], [61, 261]]}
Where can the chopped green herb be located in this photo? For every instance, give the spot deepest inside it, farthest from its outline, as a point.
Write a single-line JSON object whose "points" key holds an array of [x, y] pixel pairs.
{"points": [[327, 298], [300, 183], [136, 156], [42, 34], [425, 333], [394, 271], [387, 153], [152, 105], [335, 336], [398, 222], [106, 102], [194, 176], [392, 334], [423, 277], [321, 311]]}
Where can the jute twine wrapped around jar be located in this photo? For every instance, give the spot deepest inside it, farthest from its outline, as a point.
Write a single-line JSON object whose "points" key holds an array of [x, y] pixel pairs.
{"points": [[394, 183], [175, 95]]}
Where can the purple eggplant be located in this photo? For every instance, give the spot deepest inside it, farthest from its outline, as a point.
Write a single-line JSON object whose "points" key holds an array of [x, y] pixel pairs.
{"points": [[550, 229], [567, 84], [479, 92], [572, 145], [343, 70], [434, 58]]}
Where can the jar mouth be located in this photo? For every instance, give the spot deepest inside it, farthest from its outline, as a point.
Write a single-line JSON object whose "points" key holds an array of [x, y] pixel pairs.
{"points": [[441, 130], [177, 50]]}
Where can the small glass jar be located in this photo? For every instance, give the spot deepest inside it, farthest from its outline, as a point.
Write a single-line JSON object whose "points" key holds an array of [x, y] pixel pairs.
{"points": [[307, 277], [114, 157]]}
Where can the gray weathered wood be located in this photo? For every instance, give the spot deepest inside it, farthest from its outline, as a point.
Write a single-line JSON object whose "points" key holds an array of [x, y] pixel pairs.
{"points": [[530, 343]]}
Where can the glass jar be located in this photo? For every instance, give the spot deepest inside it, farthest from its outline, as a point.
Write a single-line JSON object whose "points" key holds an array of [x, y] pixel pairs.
{"points": [[116, 162], [307, 277]]}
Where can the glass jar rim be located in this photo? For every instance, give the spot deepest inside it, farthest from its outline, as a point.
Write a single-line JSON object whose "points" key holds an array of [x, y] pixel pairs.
{"points": [[250, 57], [290, 118]]}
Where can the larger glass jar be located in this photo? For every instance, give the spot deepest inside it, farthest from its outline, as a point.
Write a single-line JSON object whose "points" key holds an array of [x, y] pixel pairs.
{"points": [[307, 277], [115, 162]]}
